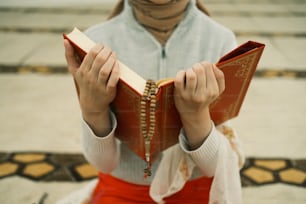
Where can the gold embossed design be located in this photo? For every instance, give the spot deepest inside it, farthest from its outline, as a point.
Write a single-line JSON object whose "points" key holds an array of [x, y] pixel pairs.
{"points": [[231, 109], [245, 65]]}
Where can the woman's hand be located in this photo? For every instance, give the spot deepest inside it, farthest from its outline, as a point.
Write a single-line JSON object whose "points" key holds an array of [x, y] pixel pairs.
{"points": [[195, 89], [96, 77]]}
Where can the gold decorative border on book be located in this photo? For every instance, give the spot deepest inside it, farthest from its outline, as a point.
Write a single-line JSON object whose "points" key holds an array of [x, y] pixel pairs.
{"points": [[244, 72]]}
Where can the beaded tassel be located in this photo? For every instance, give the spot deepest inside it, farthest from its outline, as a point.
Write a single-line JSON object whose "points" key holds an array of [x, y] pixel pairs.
{"points": [[148, 95]]}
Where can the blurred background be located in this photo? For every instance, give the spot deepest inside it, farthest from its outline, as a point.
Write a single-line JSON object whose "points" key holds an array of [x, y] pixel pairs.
{"points": [[40, 153]]}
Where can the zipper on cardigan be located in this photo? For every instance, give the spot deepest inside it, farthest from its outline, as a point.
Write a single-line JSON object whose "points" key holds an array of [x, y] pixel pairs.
{"points": [[162, 63], [163, 53]]}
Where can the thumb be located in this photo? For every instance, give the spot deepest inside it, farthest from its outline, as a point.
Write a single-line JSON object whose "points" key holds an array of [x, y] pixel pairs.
{"points": [[220, 78], [71, 58]]}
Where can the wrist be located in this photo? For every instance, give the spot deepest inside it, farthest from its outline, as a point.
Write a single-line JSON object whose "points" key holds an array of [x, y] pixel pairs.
{"points": [[94, 115], [196, 117], [99, 122], [197, 128]]}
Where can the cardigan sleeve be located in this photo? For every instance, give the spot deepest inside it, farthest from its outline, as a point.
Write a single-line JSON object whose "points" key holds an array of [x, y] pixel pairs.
{"points": [[206, 157], [102, 152]]}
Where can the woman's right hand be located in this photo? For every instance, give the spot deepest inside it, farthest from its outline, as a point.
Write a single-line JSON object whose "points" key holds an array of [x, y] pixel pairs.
{"points": [[97, 77]]}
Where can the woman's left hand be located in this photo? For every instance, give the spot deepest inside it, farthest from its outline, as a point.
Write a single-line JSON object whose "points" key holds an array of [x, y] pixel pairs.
{"points": [[195, 89]]}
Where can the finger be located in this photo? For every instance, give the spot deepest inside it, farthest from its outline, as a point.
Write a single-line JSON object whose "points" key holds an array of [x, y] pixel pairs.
{"points": [[106, 70], [220, 78], [70, 55], [179, 81], [191, 81], [212, 84], [114, 77], [201, 78], [100, 60], [90, 57]]}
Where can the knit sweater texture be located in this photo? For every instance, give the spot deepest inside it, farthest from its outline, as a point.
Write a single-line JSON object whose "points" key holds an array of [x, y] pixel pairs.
{"points": [[197, 38]]}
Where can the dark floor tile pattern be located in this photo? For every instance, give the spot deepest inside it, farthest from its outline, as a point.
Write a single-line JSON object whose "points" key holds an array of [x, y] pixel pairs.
{"points": [[46, 166]]}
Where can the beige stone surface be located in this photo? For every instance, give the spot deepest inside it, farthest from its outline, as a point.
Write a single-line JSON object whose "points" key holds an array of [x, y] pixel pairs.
{"points": [[40, 112]]}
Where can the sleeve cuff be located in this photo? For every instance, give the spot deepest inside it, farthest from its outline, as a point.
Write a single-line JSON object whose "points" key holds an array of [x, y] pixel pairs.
{"points": [[94, 142], [102, 152], [204, 156], [90, 132]]}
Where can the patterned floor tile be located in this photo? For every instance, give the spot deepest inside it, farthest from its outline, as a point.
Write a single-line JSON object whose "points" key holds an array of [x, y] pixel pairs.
{"points": [[46, 166]]}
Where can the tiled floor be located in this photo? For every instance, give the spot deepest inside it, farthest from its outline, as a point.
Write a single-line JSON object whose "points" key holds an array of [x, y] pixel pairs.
{"points": [[43, 166]]}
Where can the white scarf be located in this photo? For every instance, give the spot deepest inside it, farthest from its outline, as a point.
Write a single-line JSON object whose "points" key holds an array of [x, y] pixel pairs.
{"points": [[176, 168]]}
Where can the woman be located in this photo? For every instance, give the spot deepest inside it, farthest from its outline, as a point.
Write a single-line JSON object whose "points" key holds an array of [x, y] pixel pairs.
{"points": [[169, 38]]}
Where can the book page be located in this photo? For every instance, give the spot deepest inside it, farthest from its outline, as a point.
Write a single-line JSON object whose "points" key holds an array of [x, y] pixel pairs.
{"points": [[127, 75], [163, 82], [81, 40], [132, 78]]}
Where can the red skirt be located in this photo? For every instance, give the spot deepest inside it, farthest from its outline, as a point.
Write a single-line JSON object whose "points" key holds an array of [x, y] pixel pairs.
{"points": [[115, 191]]}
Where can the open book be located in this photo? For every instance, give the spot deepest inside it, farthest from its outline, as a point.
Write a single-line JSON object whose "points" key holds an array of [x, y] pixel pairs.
{"points": [[148, 121]]}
